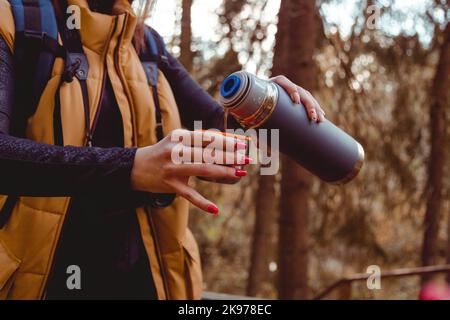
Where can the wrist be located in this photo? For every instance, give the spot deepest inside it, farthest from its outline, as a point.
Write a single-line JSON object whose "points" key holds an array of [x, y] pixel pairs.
{"points": [[136, 171]]}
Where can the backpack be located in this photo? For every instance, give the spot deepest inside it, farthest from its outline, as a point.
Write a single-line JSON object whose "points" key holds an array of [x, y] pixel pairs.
{"points": [[36, 47]]}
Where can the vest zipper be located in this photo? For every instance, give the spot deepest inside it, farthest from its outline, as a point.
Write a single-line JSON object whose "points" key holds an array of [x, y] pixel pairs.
{"points": [[122, 80], [97, 111], [99, 105], [89, 144], [158, 253], [149, 217]]}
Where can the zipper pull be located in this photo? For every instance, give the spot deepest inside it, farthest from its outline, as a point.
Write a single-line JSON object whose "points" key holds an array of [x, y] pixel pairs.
{"points": [[89, 139]]}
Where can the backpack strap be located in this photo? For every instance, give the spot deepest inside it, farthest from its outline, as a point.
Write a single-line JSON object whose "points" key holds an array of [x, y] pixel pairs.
{"points": [[36, 47], [76, 66], [152, 57]]}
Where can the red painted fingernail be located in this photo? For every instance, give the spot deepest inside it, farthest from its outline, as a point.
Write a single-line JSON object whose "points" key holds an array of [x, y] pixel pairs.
{"points": [[240, 173], [248, 160], [241, 146], [213, 209]]}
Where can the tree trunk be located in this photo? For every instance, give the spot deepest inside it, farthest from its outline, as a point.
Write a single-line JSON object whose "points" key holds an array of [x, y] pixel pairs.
{"points": [[294, 56], [263, 231], [439, 96], [186, 55]]}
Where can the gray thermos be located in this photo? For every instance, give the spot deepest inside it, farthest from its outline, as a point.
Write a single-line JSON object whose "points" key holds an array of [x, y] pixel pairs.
{"points": [[321, 148]]}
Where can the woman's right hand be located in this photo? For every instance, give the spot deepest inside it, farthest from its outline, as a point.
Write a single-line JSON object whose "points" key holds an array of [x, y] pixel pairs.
{"points": [[155, 170]]}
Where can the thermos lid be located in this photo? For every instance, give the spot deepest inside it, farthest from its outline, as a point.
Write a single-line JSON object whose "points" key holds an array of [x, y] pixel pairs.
{"points": [[230, 86], [250, 100]]}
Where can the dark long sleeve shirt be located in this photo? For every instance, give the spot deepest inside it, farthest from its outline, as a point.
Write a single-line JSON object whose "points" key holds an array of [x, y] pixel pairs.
{"points": [[71, 170]]}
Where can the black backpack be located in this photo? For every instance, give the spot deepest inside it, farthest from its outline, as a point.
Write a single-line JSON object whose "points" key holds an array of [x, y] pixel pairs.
{"points": [[36, 48]]}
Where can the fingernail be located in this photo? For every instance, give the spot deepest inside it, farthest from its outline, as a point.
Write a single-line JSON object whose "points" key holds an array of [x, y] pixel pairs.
{"points": [[240, 173], [295, 97], [247, 160], [213, 209], [241, 146], [322, 118]]}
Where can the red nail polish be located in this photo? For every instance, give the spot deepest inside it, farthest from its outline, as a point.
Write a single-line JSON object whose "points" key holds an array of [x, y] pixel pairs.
{"points": [[248, 160], [213, 209], [240, 173]]}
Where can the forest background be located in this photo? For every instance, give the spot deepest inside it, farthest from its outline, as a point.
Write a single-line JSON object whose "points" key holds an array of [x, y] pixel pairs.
{"points": [[381, 71]]}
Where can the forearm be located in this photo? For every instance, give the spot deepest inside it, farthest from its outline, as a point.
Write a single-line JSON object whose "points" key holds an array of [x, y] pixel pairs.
{"points": [[28, 168], [194, 102], [6, 86], [35, 169]]}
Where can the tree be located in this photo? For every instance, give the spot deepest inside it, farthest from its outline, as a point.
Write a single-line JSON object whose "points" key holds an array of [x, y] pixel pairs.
{"points": [[294, 57], [186, 54], [263, 230], [438, 127]]}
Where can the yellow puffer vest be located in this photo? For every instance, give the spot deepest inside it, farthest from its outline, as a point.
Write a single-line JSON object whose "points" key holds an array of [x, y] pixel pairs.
{"points": [[29, 239]]}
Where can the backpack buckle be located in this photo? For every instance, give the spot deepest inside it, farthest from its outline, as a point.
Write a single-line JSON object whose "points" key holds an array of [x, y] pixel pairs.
{"points": [[164, 59], [151, 72], [42, 42], [32, 34], [76, 66], [32, 38]]}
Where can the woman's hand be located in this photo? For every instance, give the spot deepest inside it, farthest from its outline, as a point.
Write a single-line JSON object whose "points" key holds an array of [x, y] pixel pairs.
{"points": [[157, 168], [298, 94]]}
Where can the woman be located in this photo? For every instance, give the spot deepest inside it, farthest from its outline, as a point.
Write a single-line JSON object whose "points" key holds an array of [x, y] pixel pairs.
{"points": [[103, 213]]}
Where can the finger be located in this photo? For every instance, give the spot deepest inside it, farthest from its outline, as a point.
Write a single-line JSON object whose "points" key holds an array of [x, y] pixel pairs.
{"points": [[321, 116], [222, 181], [319, 110], [289, 86], [309, 104], [208, 137], [213, 156], [208, 170], [194, 197]]}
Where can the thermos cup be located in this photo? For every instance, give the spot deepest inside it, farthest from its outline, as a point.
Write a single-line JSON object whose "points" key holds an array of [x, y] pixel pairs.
{"points": [[322, 148]]}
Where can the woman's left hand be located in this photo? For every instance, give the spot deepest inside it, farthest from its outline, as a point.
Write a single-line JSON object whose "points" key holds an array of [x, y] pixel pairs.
{"points": [[300, 95]]}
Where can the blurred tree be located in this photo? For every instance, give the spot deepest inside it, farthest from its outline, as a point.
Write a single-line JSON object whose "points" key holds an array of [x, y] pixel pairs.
{"points": [[186, 54], [376, 84], [296, 39], [438, 125], [263, 230]]}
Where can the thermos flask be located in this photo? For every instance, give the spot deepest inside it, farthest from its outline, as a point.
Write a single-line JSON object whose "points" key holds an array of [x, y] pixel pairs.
{"points": [[322, 148]]}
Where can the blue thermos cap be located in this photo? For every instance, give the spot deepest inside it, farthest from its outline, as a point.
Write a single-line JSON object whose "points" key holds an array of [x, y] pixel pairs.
{"points": [[230, 86]]}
